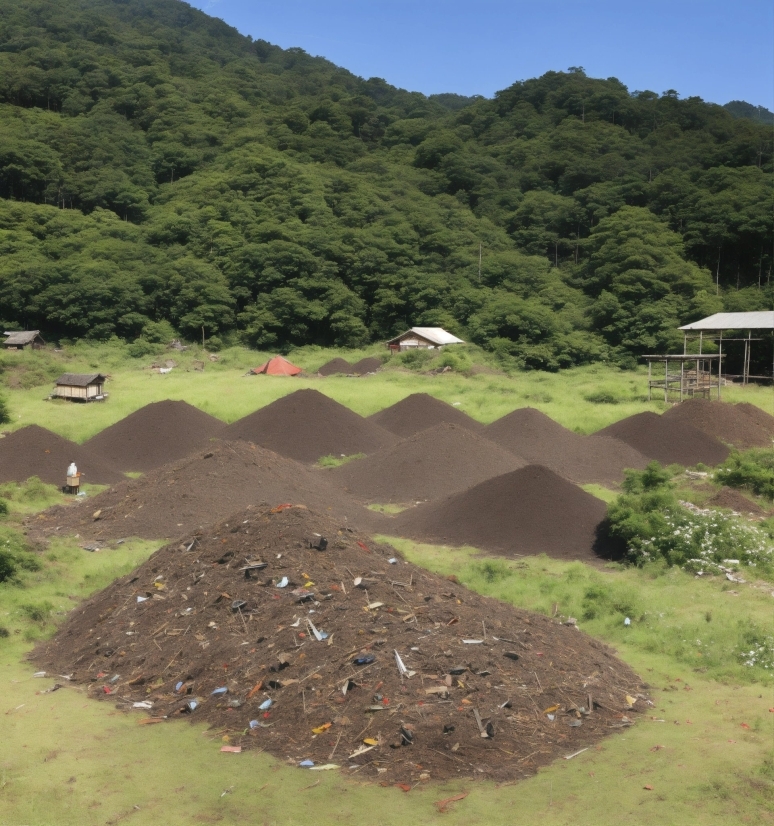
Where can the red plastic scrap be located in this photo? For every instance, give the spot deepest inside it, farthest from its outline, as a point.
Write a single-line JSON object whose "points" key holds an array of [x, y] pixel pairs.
{"points": [[444, 804], [364, 547]]}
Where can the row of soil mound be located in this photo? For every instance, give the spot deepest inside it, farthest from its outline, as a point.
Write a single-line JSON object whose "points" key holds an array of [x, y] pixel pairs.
{"points": [[394, 680], [741, 425], [735, 501], [306, 425], [186, 495], [418, 412], [433, 463], [669, 441], [538, 439], [340, 366], [158, 433], [528, 511], [35, 451]]}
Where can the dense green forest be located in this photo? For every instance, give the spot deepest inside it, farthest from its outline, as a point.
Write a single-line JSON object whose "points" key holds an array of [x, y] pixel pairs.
{"points": [[156, 168]]}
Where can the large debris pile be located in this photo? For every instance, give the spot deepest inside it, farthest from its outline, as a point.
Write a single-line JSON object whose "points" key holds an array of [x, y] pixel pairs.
{"points": [[35, 451], [188, 494], [307, 425], [740, 425], [418, 412], [341, 653], [436, 462], [528, 511], [158, 433], [370, 364], [540, 440], [334, 367], [668, 441]]}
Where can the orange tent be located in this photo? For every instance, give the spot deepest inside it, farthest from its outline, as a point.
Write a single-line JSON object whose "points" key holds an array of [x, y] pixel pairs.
{"points": [[277, 366]]}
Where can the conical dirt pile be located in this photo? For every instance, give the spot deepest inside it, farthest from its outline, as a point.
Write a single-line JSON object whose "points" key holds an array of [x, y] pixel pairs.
{"points": [[418, 412], [436, 462], [35, 451], [667, 440], [735, 501], [763, 419], [158, 433], [366, 365], [194, 624], [183, 496], [733, 424], [338, 365], [538, 439], [307, 425], [528, 511]]}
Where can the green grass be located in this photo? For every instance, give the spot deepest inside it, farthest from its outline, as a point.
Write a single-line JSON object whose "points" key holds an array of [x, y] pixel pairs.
{"points": [[336, 461], [388, 508], [601, 492]]}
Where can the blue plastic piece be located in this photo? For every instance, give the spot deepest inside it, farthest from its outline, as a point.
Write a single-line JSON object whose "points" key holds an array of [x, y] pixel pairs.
{"points": [[219, 692]]}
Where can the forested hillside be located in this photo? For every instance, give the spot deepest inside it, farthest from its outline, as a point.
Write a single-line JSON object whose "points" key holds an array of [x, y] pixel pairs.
{"points": [[157, 166]]}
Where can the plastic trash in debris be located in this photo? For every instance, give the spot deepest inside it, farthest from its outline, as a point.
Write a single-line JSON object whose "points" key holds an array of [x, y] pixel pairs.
{"points": [[238, 605], [114, 679], [142, 599], [322, 729], [458, 669], [219, 692], [393, 561], [511, 655], [178, 686], [324, 767], [551, 717], [231, 749], [473, 642], [81, 493], [266, 705], [144, 704], [367, 659], [190, 706], [575, 723], [39, 674], [627, 621], [306, 764], [406, 737], [506, 704], [254, 724], [318, 635], [283, 583], [319, 543], [402, 670]]}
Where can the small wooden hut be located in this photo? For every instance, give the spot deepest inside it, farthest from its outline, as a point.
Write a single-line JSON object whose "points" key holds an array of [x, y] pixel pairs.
{"points": [[426, 338], [21, 339], [81, 387]]}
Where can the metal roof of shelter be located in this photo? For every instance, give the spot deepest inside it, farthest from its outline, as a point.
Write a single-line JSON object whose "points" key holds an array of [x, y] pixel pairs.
{"points": [[21, 337], [79, 379], [759, 320], [435, 335]]}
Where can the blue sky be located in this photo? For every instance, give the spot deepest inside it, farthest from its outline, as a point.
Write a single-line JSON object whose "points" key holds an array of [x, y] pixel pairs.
{"points": [[716, 49]]}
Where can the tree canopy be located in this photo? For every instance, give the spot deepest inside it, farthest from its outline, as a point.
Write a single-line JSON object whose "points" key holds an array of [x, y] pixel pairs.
{"points": [[157, 166]]}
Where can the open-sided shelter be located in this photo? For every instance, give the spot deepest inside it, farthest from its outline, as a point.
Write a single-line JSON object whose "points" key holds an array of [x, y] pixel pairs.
{"points": [[81, 387], [21, 339], [276, 366], [426, 338]]}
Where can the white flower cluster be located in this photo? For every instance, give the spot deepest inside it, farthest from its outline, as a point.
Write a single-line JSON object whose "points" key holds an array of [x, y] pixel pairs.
{"points": [[702, 542], [759, 654]]}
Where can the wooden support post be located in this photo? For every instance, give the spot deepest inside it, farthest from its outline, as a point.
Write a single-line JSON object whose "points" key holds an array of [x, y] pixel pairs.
{"points": [[720, 362], [701, 341], [666, 380], [650, 373], [682, 377]]}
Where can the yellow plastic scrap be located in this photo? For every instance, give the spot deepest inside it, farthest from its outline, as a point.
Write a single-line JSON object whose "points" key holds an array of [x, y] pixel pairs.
{"points": [[369, 741], [321, 729], [551, 709], [308, 584], [630, 700]]}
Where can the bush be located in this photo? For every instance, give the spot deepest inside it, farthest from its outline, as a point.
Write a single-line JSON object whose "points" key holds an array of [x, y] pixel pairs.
{"points": [[139, 348], [601, 397], [159, 332], [3, 507], [14, 556], [5, 413], [753, 469], [416, 359]]}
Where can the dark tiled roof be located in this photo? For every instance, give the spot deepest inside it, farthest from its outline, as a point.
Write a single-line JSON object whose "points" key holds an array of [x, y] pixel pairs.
{"points": [[80, 379]]}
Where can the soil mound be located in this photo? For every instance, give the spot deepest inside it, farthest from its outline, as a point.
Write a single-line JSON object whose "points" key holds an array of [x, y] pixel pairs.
{"points": [[367, 365], [203, 631], [418, 412], [667, 440], [307, 425], [528, 511], [538, 439], [155, 434], [730, 423], [735, 501], [35, 451], [436, 462], [183, 496], [331, 368], [760, 417]]}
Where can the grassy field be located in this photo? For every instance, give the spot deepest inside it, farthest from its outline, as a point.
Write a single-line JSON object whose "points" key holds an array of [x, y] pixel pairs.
{"points": [[706, 748]]}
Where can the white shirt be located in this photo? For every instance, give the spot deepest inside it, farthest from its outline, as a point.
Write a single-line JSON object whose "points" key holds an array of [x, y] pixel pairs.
{"points": [[72, 470]]}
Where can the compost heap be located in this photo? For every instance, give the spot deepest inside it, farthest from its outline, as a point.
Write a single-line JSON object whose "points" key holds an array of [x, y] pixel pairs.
{"points": [[306, 425], [733, 424], [436, 462], [367, 365], [538, 439], [185, 495], [528, 511], [155, 434], [418, 412], [247, 628], [331, 368], [735, 501], [667, 440], [35, 451]]}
